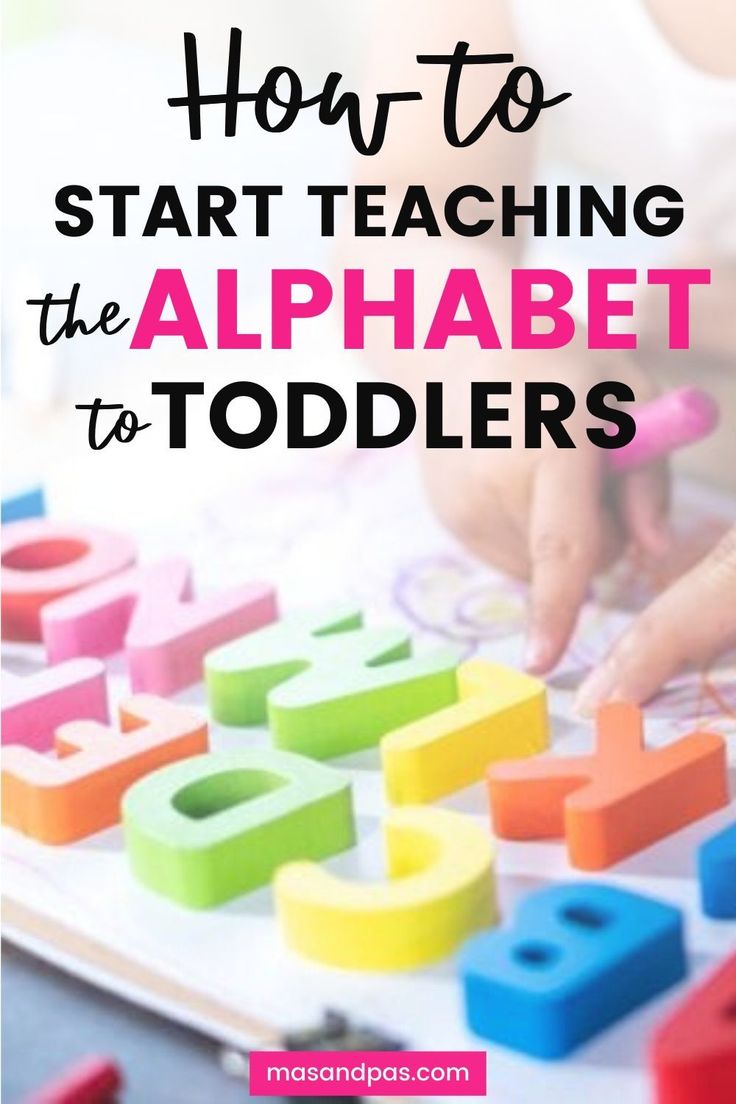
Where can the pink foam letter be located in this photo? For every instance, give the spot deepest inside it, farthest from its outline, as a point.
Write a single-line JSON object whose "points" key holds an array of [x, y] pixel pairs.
{"points": [[151, 613], [35, 705]]}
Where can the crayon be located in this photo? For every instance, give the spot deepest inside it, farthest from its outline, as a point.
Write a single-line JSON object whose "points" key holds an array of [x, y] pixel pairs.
{"points": [[91, 1081]]}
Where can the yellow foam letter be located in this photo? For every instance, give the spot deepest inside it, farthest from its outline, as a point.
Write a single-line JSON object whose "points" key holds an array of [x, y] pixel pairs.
{"points": [[441, 891], [502, 714]]}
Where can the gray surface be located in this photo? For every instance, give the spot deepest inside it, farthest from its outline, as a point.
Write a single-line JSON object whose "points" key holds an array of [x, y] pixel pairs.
{"points": [[51, 1020]]}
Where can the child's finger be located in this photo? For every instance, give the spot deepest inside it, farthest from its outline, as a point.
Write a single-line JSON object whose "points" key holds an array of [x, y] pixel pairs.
{"points": [[690, 624], [644, 504], [565, 535]]}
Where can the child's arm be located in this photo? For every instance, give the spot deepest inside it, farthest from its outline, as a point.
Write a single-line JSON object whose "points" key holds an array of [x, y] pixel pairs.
{"points": [[691, 624]]}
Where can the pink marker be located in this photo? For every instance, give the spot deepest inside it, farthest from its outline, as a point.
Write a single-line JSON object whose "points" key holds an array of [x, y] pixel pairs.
{"points": [[666, 424]]}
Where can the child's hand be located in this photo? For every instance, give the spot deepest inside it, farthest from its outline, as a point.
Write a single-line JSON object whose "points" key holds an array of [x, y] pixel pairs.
{"points": [[692, 623], [552, 516]]}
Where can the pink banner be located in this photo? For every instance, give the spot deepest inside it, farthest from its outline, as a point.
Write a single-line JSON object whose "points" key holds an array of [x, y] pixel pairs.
{"points": [[368, 1073]]}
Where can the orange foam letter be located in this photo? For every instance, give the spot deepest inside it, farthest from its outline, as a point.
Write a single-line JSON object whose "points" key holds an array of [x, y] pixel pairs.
{"points": [[614, 803], [78, 792]]}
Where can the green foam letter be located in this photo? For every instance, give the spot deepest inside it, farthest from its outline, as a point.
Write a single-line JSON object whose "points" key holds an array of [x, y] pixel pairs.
{"points": [[326, 685], [214, 826]]}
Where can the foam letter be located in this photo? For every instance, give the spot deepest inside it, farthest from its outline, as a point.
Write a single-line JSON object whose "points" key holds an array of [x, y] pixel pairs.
{"points": [[35, 705], [151, 613], [43, 560], [578, 958], [58, 800], [441, 890], [502, 714], [693, 1052], [717, 873], [211, 828], [345, 688], [616, 802], [27, 502]]}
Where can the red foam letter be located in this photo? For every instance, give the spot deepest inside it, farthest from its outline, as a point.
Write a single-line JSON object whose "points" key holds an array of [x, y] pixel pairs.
{"points": [[693, 1053], [43, 561]]}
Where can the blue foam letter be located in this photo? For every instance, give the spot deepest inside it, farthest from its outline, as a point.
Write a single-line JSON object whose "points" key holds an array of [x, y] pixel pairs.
{"points": [[578, 958], [27, 503], [717, 873]]}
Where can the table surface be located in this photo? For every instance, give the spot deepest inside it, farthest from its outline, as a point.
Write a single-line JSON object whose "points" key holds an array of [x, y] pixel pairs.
{"points": [[51, 1020]]}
